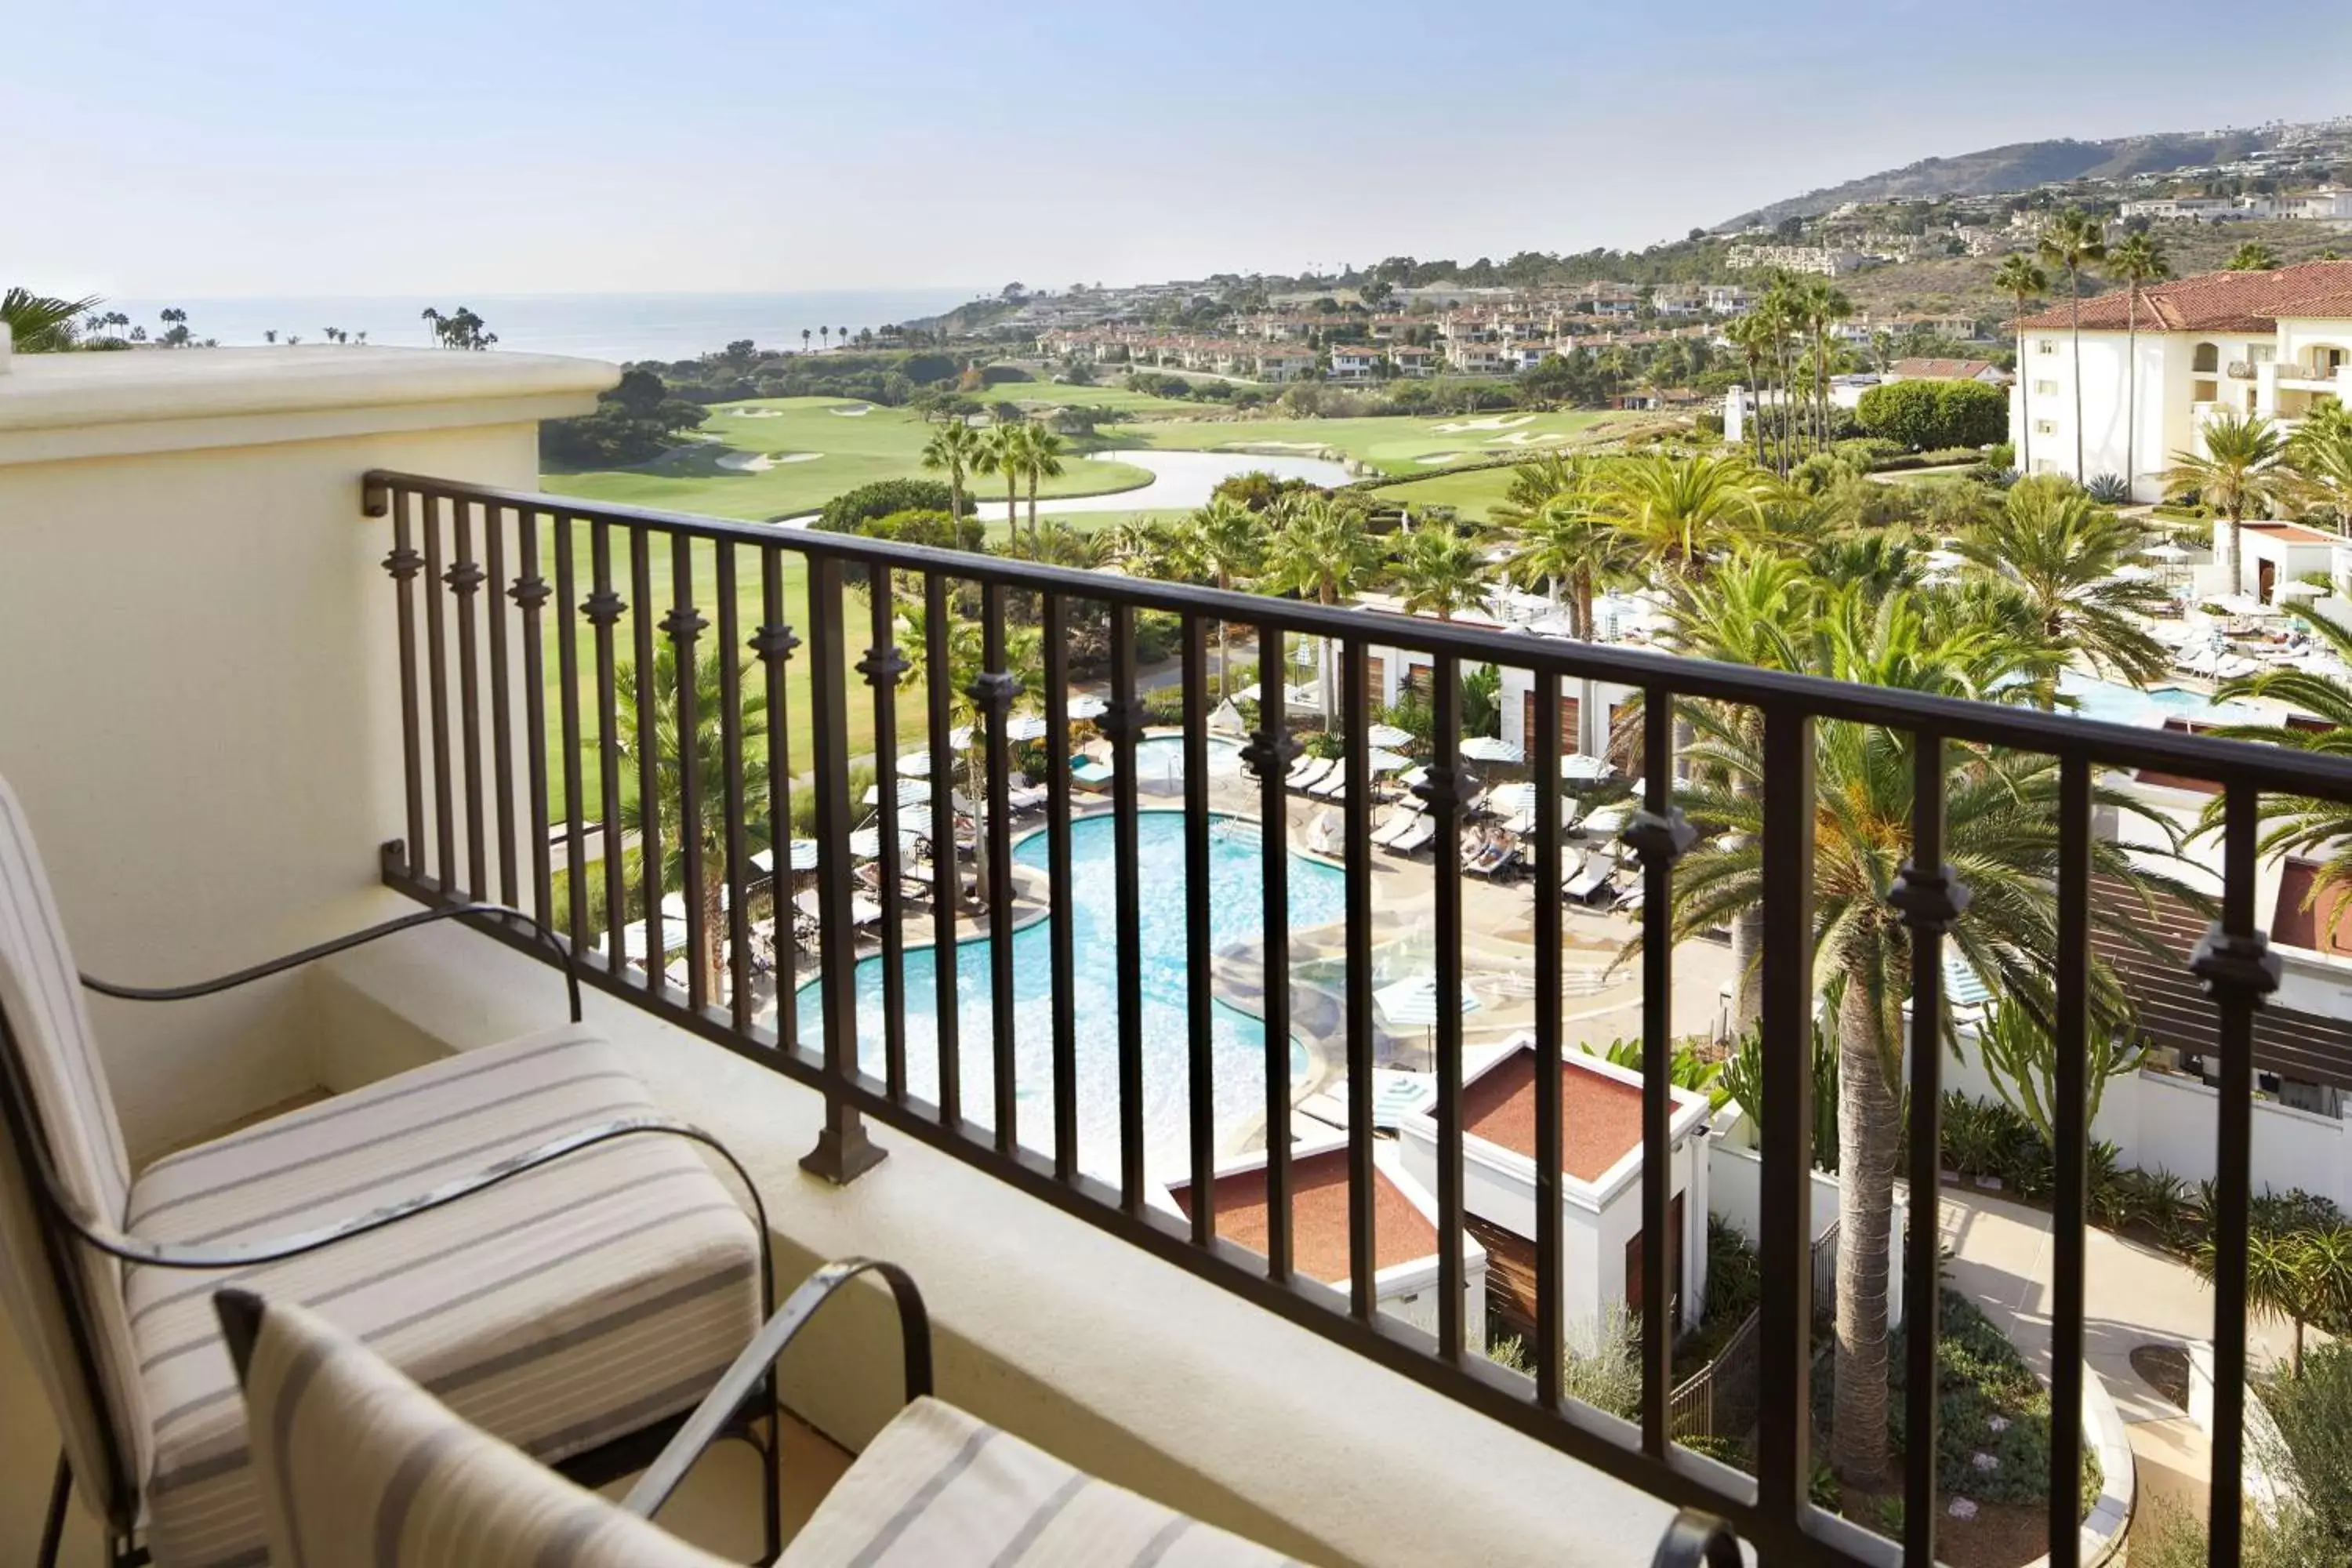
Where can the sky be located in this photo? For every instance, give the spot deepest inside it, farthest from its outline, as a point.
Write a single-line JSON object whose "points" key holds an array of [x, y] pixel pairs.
{"points": [[320, 147]]}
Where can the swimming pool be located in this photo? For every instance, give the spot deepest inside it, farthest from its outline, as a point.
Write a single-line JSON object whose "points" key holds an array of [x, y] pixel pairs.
{"points": [[1159, 762], [2126, 705], [1236, 901]]}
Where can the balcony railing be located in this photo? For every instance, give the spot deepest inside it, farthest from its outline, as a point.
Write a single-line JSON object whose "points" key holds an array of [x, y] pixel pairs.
{"points": [[530, 628]]}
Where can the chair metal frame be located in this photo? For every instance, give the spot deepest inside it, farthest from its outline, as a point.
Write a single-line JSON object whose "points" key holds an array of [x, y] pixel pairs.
{"points": [[749, 1415]]}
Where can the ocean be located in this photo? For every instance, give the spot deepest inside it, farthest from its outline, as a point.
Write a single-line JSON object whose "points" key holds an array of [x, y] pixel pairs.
{"points": [[595, 326]]}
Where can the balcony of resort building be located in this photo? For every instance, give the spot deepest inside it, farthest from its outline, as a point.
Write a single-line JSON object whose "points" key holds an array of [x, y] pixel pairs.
{"points": [[1270, 1089]]}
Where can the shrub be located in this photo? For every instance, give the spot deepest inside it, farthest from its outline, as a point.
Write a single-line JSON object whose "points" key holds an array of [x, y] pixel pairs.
{"points": [[844, 513], [1981, 1376], [1924, 414], [2108, 489], [2313, 1414]]}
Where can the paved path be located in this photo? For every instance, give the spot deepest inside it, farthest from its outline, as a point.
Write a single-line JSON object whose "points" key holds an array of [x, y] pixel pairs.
{"points": [[2133, 1295]]}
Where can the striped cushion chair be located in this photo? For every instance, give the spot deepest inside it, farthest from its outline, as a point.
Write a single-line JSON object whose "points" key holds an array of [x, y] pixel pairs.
{"points": [[518, 1228], [359, 1469]]}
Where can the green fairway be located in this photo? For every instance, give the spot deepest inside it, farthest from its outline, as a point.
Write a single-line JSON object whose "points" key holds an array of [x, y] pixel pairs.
{"points": [[774, 456], [1109, 399], [1398, 445], [1473, 494]]}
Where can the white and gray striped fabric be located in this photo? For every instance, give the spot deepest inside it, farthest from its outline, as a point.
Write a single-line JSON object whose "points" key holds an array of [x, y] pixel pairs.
{"points": [[358, 1468], [558, 1310], [937, 1487], [48, 1029]]}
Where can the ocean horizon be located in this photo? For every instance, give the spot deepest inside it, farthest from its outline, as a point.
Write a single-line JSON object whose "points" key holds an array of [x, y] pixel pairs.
{"points": [[592, 326]]}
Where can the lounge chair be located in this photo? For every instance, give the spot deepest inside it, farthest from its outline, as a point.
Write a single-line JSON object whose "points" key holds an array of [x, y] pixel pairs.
{"points": [[1413, 838], [1021, 796], [1590, 881], [1334, 785], [1492, 861], [1309, 772], [1398, 821]]}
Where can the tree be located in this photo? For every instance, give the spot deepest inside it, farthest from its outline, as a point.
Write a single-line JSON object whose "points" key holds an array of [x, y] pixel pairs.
{"points": [[1679, 510], [2252, 257], [1752, 335], [41, 323], [2022, 280], [2319, 456], [2287, 1278], [2020, 1059], [1820, 303], [2072, 240], [953, 447], [1223, 542], [1005, 451], [1566, 543], [1318, 547], [2304, 825], [825, 335], [2064, 552], [804, 340], [849, 511], [706, 754], [1041, 458], [2240, 470], [2001, 833], [1441, 570], [1926, 415], [2138, 260]]}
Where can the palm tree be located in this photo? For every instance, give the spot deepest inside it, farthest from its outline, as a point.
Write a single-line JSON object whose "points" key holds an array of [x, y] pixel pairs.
{"points": [[2252, 257], [1570, 546], [1678, 511], [1776, 320], [1751, 334], [430, 313], [2319, 455], [2063, 551], [1318, 547], [804, 340], [2138, 260], [955, 447], [1442, 570], [2293, 1277], [2074, 240], [1820, 303], [824, 337], [41, 323], [2022, 280], [1041, 458], [1223, 542], [2304, 825], [710, 764], [2239, 470], [1004, 450], [2001, 834]]}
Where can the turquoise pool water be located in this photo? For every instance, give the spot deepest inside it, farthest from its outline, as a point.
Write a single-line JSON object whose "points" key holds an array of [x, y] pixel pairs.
{"points": [[2126, 705], [1235, 899]]}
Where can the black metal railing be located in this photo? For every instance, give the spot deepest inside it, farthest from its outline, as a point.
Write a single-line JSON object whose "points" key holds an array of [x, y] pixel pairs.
{"points": [[525, 831]]}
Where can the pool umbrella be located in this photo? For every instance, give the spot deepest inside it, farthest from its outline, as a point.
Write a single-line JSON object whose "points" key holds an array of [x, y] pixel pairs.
{"points": [[911, 792], [1490, 749], [801, 856], [1088, 707], [1413, 1003], [1584, 766], [915, 765], [1024, 727], [2166, 552], [1511, 799], [1387, 735], [2300, 590], [867, 842], [1384, 762]]}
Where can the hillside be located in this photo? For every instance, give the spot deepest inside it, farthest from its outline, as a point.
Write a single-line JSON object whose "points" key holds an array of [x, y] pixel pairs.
{"points": [[2021, 166]]}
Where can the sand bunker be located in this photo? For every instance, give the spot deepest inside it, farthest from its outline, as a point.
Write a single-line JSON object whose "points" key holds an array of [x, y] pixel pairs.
{"points": [[756, 412], [1526, 438], [761, 462], [1439, 460], [1280, 446], [1495, 422], [857, 413]]}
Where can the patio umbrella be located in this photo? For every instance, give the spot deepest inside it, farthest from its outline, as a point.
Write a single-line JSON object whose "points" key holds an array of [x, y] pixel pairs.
{"points": [[1413, 1003], [1088, 707], [911, 792], [1412, 776], [1384, 762], [1387, 736], [1511, 799], [1584, 766], [915, 765], [2300, 590], [1024, 727], [1490, 749], [2165, 552], [800, 856], [867, 842]]}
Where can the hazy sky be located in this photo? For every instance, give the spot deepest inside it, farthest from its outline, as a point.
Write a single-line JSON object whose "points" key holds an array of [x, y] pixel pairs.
{"points": [[320, 147]]}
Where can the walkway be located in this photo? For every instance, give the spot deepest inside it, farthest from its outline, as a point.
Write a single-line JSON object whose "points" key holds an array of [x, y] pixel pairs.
{"points": [[2001, 1256]]}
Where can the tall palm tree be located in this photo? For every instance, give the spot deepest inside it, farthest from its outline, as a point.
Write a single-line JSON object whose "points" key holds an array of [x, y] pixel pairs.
{"points": [[1776, 314], [2251, 257], [2241, 468], [1005, 450], [707, 755], [2022, 282], [1318, 547], [1223, 542], [2319, 455], [1821, 304], [804, 340], [431, 314], [41, 323], [1679, 510], [1041, 458], [2000, 834], [1441, 570], [953, 447], [824, 337], [2072, 240], [1570, 547], [2064, 552], [2138, 260], [1750, 335]]}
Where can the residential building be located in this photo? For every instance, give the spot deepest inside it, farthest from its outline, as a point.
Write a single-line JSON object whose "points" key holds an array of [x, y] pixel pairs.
{"points": [[2271, 343], [1975, 369], [1415, 361], [1280, 362], [1819, 260], [1727, 300], [1356, 361], [2323, 205]]}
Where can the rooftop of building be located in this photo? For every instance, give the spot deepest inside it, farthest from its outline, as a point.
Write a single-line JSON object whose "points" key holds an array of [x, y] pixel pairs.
{"points": [[1319, 1213], [2217, 301]]}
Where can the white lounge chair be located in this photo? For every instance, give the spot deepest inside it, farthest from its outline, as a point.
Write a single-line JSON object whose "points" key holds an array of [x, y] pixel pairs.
{"points": [[1309, 772], [1590, 880], [1398, 822], [1413, 838], [1334, 785]]}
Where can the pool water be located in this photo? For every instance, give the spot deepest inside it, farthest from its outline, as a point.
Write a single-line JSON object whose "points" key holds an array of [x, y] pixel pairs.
{"points": [[2126, 705], [1238, 1055]]}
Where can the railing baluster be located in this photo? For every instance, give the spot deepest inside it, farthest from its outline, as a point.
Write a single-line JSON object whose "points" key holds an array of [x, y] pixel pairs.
{"points": [[2070, 1120], [649, 801], [531, 594], [1552, 1336], [1274, 749], [993, 692], [464, 583], [1363, 1238], [1783, 1447], [882, 667], [734, 804], [1200, 994], [1124, 720], [843, 1151], [1060, 937], [403, 563], [445, 815], [1659, 835], [2240, 971], [603, 608], [1444, 785], [773, 644], [567, 696], [502, 785], [947, 868], [685, 626], [1930, 897]]}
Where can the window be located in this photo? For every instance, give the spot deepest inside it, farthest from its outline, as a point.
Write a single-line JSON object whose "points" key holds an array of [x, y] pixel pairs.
{"points": [[2261, 353], [2207, 360], [2045, 345], [2045, 427], [2045, 389]]}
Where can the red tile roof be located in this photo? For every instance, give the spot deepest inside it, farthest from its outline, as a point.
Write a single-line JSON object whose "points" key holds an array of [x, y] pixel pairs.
{"points": [[1938, 369], [1318, 1215], [1599, 1121], [2219, 302]]}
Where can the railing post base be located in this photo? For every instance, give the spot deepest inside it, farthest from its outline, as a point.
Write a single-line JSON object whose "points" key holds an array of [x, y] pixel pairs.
{"points": [[843, 1151]]}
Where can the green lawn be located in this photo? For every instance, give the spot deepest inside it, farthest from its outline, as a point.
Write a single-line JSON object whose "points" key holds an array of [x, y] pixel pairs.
{"points": [[1109, 399], [1473, 494], [848, 450], [1394, 444]]}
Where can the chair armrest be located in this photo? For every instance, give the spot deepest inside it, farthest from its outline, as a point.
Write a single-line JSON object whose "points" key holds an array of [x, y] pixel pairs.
{"points": [[1697, 1540], [752, 1369], [474, 912]]}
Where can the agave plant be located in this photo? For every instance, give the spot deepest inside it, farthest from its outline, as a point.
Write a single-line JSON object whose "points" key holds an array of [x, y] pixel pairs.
{"points": [[42, 324], [2108, 489]]}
